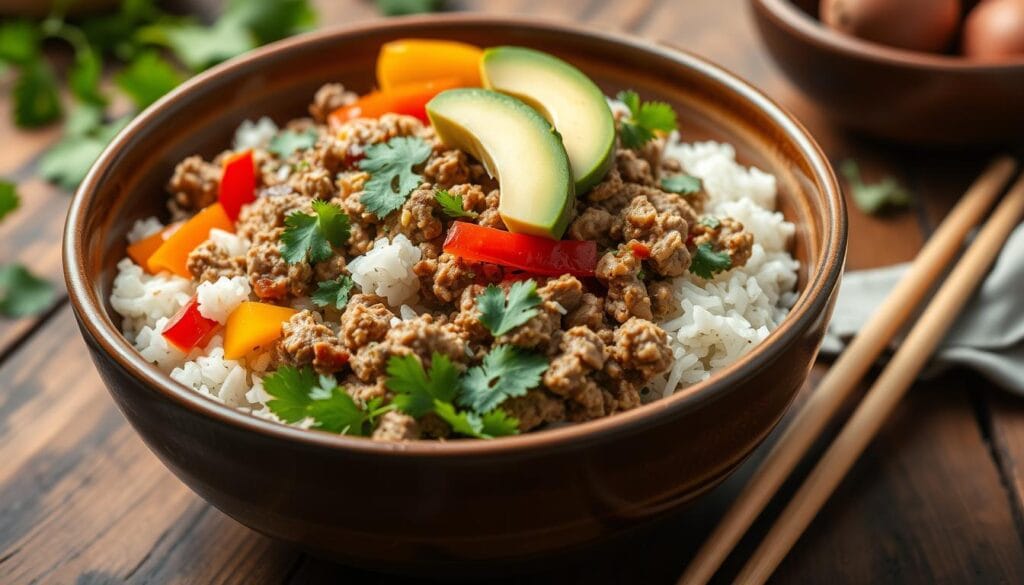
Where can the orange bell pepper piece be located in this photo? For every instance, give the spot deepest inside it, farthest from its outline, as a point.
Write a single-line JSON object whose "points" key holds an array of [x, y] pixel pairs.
{"points": [[141, 250], [253, 326], [173, 254], [408, 61], [237, 183], [410, 100]]}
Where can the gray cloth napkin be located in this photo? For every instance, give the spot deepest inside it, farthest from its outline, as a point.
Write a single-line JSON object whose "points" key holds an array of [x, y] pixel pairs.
{"points": [[988, 335]]}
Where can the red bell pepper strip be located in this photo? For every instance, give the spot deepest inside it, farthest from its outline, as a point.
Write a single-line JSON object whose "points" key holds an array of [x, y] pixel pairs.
{"points": [[189, 329], [410, 99], [237, 183], [533, 254]]}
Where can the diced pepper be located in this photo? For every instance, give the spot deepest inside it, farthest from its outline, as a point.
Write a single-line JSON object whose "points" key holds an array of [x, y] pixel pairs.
{"points": [[410, 100], [408, 61], [640, 250], [141, 250], [533, 254], [237, 183], [189, 329], [173, 254], [252, 326]]}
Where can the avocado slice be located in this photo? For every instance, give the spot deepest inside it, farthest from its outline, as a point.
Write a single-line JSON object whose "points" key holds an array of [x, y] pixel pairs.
{"points": [[516, 145], [573, 104]]}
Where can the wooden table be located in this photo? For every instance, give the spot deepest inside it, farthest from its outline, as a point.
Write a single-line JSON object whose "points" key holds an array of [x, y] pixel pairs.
{"points": [[937, 498]]}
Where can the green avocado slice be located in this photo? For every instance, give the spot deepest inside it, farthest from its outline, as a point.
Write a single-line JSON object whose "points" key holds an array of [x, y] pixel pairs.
{"points": [[573, 104], [516, 145]]}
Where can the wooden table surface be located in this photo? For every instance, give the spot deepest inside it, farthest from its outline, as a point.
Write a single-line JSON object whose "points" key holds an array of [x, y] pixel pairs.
{"points": [[938, 497]]}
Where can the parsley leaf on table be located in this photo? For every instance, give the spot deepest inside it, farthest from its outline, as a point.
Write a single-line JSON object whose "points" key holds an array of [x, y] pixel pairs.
{"points": [[390, 165], [283, 144], [271, 20], [200, 47], [402, 7], [84, 78], [415, 390], [36, 101], [505, 372], [707, 262], [9, 200], [452, 205], [333, 293], [500, 318], [298, 394], [69, 160], [682, 184], [313, 235], [147, 78], [887, 193], [22, 293], [19, 42], [644, 119]]}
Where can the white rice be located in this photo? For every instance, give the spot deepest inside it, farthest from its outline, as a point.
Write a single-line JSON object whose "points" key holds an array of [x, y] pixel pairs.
{"points": [[218, 299], [386, 270], [142, 299], [254, 134], [144, 228]]}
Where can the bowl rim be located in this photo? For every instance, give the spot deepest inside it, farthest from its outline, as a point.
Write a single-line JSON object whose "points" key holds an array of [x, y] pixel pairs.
{"points": [[796, 22], [811, 303]]}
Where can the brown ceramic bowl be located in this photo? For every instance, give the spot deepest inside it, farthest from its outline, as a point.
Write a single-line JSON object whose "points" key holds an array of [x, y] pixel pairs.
{"points": [[433, 505], [900, 95]]}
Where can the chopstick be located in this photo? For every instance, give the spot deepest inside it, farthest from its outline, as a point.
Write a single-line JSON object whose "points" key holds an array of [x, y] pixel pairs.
{"points": [[892, 384], [836, 386]]}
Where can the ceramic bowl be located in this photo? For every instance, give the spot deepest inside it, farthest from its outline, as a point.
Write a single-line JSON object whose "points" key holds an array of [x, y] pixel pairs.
{"points": [[438, 505], [894, 94]]}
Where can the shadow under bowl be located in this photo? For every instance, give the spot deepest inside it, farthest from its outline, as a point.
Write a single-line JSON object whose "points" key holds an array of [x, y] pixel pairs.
{"points": [[451, 506]]}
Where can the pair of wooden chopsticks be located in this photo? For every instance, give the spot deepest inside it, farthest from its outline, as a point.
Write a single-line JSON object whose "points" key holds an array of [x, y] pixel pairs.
{"points": [[922, 340]]}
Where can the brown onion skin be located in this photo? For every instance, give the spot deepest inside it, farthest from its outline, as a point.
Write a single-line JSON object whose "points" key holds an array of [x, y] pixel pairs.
{"points": [[917, 25], [994, 30]]}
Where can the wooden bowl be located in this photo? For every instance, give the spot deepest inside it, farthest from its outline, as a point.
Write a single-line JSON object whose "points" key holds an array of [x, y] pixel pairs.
{"points": [[900, 95], [455, 505]]}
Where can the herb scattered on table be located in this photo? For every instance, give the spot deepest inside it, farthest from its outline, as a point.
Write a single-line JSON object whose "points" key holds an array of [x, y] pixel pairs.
{"points": [[402, 7], [393, 179], [707, 262], [333, 293], [682, 184], [644, 119], [499, 317], [876, 197], [85, 137], [9, 200], [283, 144], [298, 394], [147, 78], [452, 205], [312, 236], [22, 293]]}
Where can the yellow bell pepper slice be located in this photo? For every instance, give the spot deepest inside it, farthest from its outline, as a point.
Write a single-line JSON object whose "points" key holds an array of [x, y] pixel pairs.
{"points": [[173, 254], [253, 326], [416, 60]]}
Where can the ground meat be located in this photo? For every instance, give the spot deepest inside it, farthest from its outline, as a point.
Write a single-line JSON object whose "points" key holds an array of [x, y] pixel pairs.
{"points": [[597, 224], [366, 319], [270, 276], [490, 216], [305, 340], [589, 313], [396, 426], [627, 296], [641, 347], [328, 98], [447, 168], [663, 300], [726, 234], [633, 168], [662, 234], [671, 204], [260, 217], [467, 320], [581, 353], [195, 183], [329, 269], [535, 408], [422, 336], [365, 391], [314, 183], [538, 331], [566, 290], [208, 262], [443, 280], [420, 216]]}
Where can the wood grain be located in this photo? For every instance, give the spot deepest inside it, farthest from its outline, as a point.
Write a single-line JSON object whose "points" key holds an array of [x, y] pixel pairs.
{"points": [[937, 498]]}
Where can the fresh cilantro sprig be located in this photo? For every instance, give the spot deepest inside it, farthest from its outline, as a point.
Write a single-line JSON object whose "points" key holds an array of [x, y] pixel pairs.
{"points": [[506, 371], [453, 205], [392, 179], [298, 394], [312, 236], [333, 293], [711, 222], [500, 317], [147, 78], [9, 200], [644, 120], [22, 293], [283, 144], [876, 197], [403, 7], [707, 262], [682, 184]]}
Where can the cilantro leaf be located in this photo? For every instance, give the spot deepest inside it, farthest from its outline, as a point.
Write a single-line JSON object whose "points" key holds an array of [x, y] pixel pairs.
{"points": [[496, 423], [403, 7], [873, 198], [84, 78], [333, 293], [500, 318], [298, 394], [271, 20], [505, 372], [390, 165], [148, 78], [19, 42], [644, 119], [313, 235], [710, 222], [67, 163], [499, 423], [283, 144], [452, 205], [22, 293], [36, 101], [681, 184], [416, 391], [9, 200], [706, 261], [200, 47]]}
